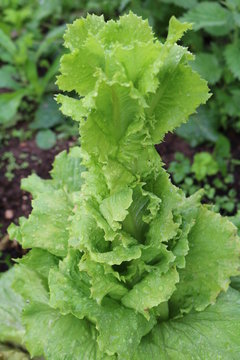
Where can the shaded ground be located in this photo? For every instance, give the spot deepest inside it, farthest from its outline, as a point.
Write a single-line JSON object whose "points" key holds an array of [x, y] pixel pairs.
{"points": [[171, 145], [13, 201]]}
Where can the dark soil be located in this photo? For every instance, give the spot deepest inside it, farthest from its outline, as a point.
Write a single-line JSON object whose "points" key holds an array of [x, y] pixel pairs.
{"points": [[13, 201], [171, 145]]}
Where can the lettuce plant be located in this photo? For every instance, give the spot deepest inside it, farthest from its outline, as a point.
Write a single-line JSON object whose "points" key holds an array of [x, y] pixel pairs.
{"points": [[123, 265]]}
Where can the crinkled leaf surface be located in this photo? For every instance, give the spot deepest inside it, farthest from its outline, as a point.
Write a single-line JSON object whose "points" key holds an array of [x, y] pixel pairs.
{"points": [[120, 248], [205, 276]]}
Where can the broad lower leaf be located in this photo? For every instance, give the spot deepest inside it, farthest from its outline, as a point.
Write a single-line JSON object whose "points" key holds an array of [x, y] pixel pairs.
{"points": [[45, 326], [11, 305], [204, 277], [210, 334]]}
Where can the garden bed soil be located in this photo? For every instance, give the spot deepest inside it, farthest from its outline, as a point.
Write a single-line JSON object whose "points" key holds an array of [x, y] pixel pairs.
{"points": [[15, 202]]}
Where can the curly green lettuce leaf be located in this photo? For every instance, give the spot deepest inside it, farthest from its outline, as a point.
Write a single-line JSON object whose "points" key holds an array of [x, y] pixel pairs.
{"points": [[155, 289], [70, 292], [180, 94], [44, 325], [36, 266], [205, 275], [159, 70], [52, 208]]}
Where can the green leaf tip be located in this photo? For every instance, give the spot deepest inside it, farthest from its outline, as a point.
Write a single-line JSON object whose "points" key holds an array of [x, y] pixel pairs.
{"points": [[177, 29]]}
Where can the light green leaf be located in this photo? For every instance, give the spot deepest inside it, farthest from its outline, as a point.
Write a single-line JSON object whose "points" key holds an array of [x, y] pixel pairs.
{"points": [[170, 196], [65, 163], [117, 109], [143, 71], [180, 93], [102, 283], [84, 232], [129, 29], [35, 185], [78, 32], [156, 288], [52, 208], [117, 255], [71, 107], [176, 30], [71, 295], [78, 68], [205, 276], [30, 278], [71, 164], [117, 175], [114, 208], [44, 325], [11, 305]]}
